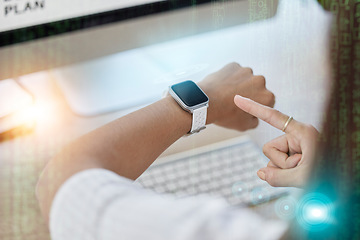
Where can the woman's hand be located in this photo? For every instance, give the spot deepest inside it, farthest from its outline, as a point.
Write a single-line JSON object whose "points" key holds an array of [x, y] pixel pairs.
{"points": [[291, 154], [223, 85]]}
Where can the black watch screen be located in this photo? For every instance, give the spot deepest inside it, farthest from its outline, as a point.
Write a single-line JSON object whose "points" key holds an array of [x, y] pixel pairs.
{"points": [[189, 93]]}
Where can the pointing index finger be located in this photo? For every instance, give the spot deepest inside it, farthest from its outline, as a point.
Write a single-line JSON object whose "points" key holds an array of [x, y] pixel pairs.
{"points": [[267, 114]]}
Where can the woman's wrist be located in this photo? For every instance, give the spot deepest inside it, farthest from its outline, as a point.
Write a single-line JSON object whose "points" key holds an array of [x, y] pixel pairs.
{"points": [[179, 115]]}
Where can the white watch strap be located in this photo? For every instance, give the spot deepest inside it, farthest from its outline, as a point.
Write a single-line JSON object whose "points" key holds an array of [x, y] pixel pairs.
{"points": [[198, 119]]}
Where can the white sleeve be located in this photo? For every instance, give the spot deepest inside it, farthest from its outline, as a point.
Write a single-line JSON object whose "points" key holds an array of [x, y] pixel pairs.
{"points": [[98, 204]]}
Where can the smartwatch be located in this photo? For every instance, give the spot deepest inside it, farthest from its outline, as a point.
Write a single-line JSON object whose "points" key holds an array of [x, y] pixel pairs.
{"points": [[192, 99]]}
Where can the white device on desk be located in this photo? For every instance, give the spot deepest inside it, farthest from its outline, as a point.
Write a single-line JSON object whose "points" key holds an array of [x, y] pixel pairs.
{"points": [[224, 169]]}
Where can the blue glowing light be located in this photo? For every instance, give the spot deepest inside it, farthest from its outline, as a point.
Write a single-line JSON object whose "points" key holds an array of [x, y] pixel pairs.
{"points": [[315, 212]]}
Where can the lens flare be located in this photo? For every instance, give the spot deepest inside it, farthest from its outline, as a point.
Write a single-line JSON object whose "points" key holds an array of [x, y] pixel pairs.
{"points": [[285, 207], [315, 212], [239, 189], [260, 195], [35, 113]]}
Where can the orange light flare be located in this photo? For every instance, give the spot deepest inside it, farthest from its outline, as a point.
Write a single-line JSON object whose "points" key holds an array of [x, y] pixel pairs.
{"points": [[39, 114]]}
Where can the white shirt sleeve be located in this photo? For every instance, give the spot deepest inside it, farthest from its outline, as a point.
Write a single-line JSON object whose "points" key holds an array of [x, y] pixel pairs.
{"points": [[98, 204]]}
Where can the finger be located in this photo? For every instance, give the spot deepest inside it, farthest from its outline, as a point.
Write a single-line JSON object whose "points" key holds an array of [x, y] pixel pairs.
{"points": [[277, 157], [271, 164], [278, 177], [267, 114], [277, 151], [259, 80], [249, 70], [232, 66], [281, 143], [291, 162], [285, 143]]}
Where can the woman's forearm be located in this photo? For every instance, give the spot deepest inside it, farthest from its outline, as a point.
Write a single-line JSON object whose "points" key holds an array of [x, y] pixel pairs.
{"points": [[130, 144], [126, 146]]}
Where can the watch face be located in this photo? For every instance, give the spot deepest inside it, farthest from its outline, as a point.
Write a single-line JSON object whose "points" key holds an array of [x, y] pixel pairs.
{"points": [[189, 93]]}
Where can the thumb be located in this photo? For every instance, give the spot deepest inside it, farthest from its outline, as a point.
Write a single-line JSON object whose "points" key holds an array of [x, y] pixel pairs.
{"points": [[278, 177]]}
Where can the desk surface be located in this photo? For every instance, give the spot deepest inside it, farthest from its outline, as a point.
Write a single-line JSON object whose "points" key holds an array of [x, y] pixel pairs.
{"points": [[294, 63]]}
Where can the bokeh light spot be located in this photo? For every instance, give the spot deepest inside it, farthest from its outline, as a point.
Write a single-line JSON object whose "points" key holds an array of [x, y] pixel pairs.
{"points": [[259, 195], [239, 189], [285, 207], [315, 212]]}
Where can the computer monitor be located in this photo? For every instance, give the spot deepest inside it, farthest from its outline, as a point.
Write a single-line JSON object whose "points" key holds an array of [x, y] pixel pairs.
{"points": [[42, 35]]}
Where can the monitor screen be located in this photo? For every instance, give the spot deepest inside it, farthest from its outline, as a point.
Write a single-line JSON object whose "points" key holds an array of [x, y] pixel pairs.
{"points": [[37, 35], [23, 20]]}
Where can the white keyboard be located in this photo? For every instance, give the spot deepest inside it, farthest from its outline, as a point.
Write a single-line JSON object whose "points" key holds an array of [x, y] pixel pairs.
{"points": [[227, 169]]}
